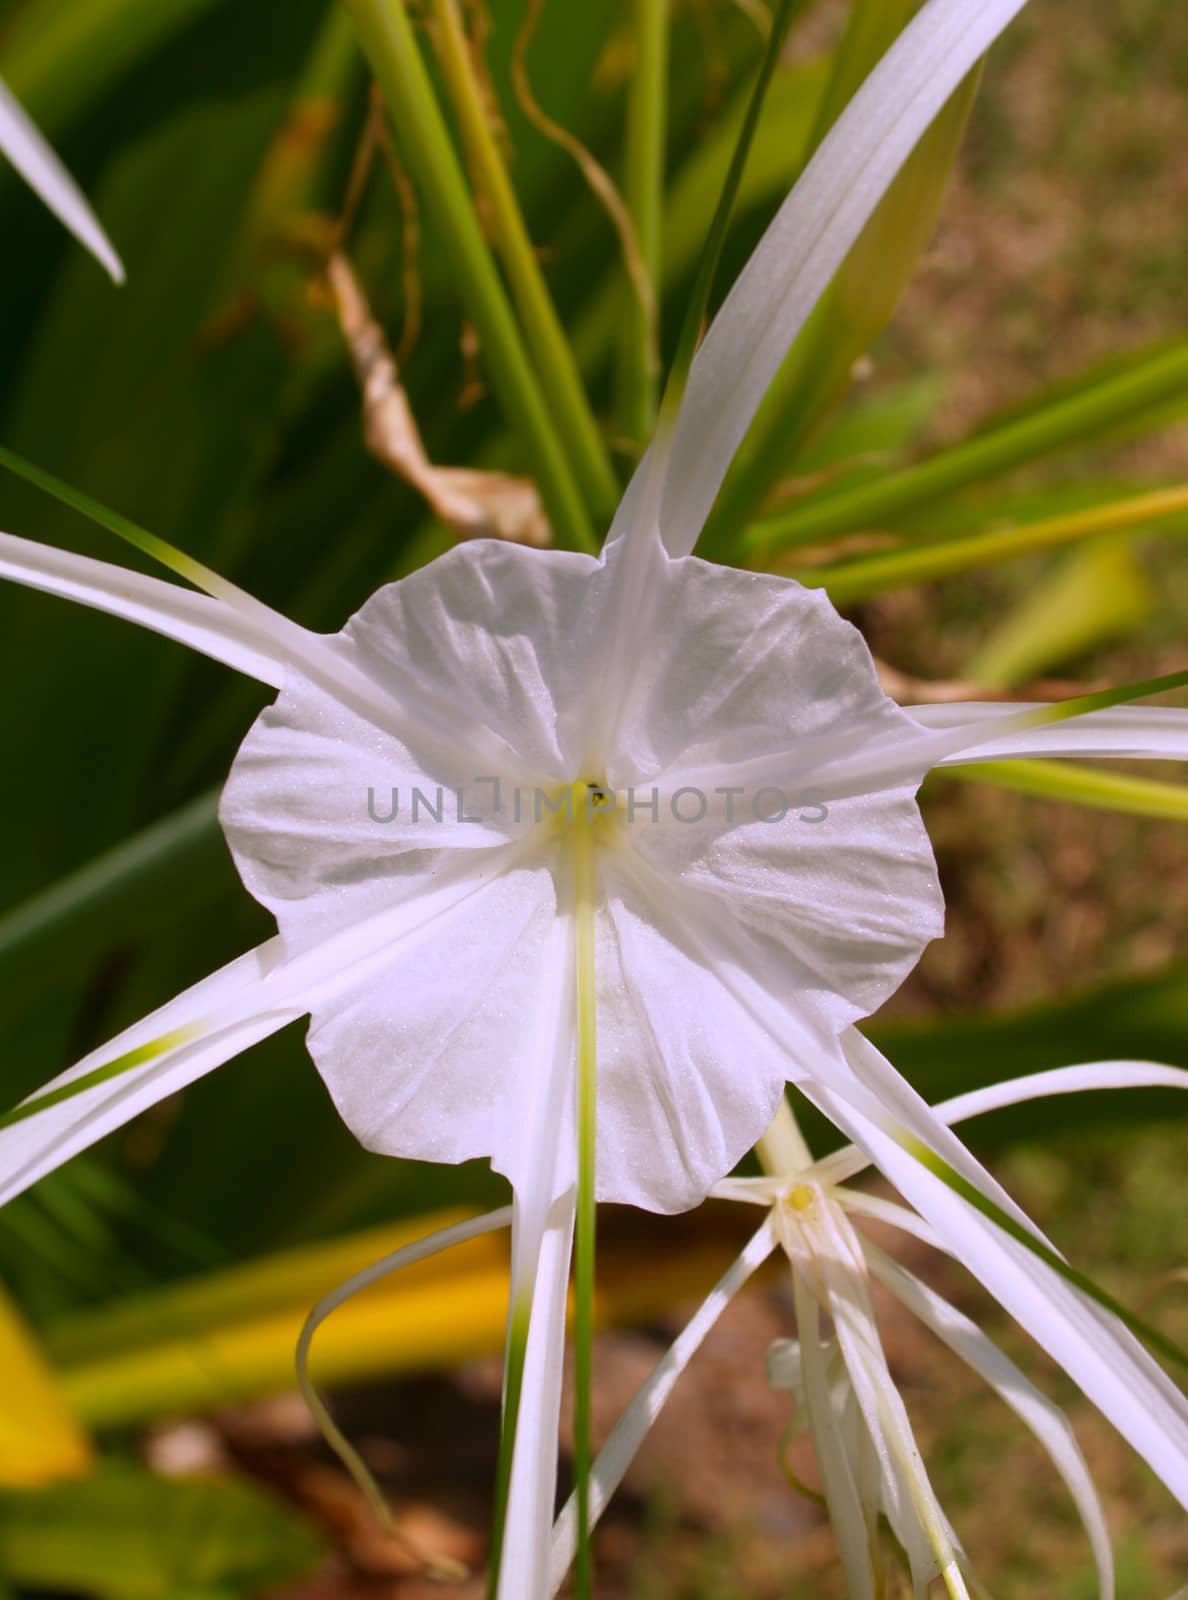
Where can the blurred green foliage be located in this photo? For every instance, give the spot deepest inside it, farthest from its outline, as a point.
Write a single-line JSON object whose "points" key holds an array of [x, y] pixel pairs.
{"points": [[212, 399]]}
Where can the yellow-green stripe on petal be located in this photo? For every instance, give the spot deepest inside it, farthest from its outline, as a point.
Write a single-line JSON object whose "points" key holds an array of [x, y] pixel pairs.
{"points": [[141, 1056]]}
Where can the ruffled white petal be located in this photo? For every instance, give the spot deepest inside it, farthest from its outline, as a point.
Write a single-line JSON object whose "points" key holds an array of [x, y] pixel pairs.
{"points": [[748, 664], [846, 901], [809, 239], [740, 666], [199, 1030], [680, 1007], [426, 1046], [205, 624], [487, 648], [331, 819], [1156, 733], [36, 162], [491, 662]]}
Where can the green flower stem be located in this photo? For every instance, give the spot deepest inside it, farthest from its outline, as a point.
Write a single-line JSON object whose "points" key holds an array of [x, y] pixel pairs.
{"points": [[853, 581], [391, 47], [555, 363], [643, 186], [1112, 401], [584, 824]]}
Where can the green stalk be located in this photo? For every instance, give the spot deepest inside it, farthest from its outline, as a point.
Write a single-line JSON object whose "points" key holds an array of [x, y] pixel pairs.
{"points": [[853, 581], [549, 346], [643, 188], [707, 266], [1101, 700], [387, 38], [1111, 401], [848, 319], [584, 1238], [1079, 786], [513, 1388]]}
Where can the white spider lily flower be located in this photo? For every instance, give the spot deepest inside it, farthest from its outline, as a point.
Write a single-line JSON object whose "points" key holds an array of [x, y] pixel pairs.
{"points": [[592, 868], [28, 151], [869, 1463]]}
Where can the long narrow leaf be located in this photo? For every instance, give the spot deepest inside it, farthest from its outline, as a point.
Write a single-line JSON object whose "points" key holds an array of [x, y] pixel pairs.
{"points": [[1121, 395], [863, 295]]}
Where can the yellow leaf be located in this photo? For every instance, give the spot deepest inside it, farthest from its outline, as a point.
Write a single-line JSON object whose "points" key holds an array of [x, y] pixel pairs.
{"points": [[40, 1441], [232, 1335]]}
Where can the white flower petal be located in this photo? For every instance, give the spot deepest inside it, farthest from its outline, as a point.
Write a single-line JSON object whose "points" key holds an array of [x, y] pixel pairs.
{"points": [[427, 1047], [491, 662], [1156, 733], [835, 765], [747, 664], [808, 240], [1046, 1421], [524, 1563], [36, 162], [846, 901], [646, 1404], [1091, 1075], [487, 646], [679, 1007], [898, 1103], [196, 1032], [443, 1025], [895, 1216], [743, 667], [858, 1203], [714, 989], [842, 1165], [839, 1473], [1096, 1351], [919, 1521], [306, 808], [205, 624]]}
